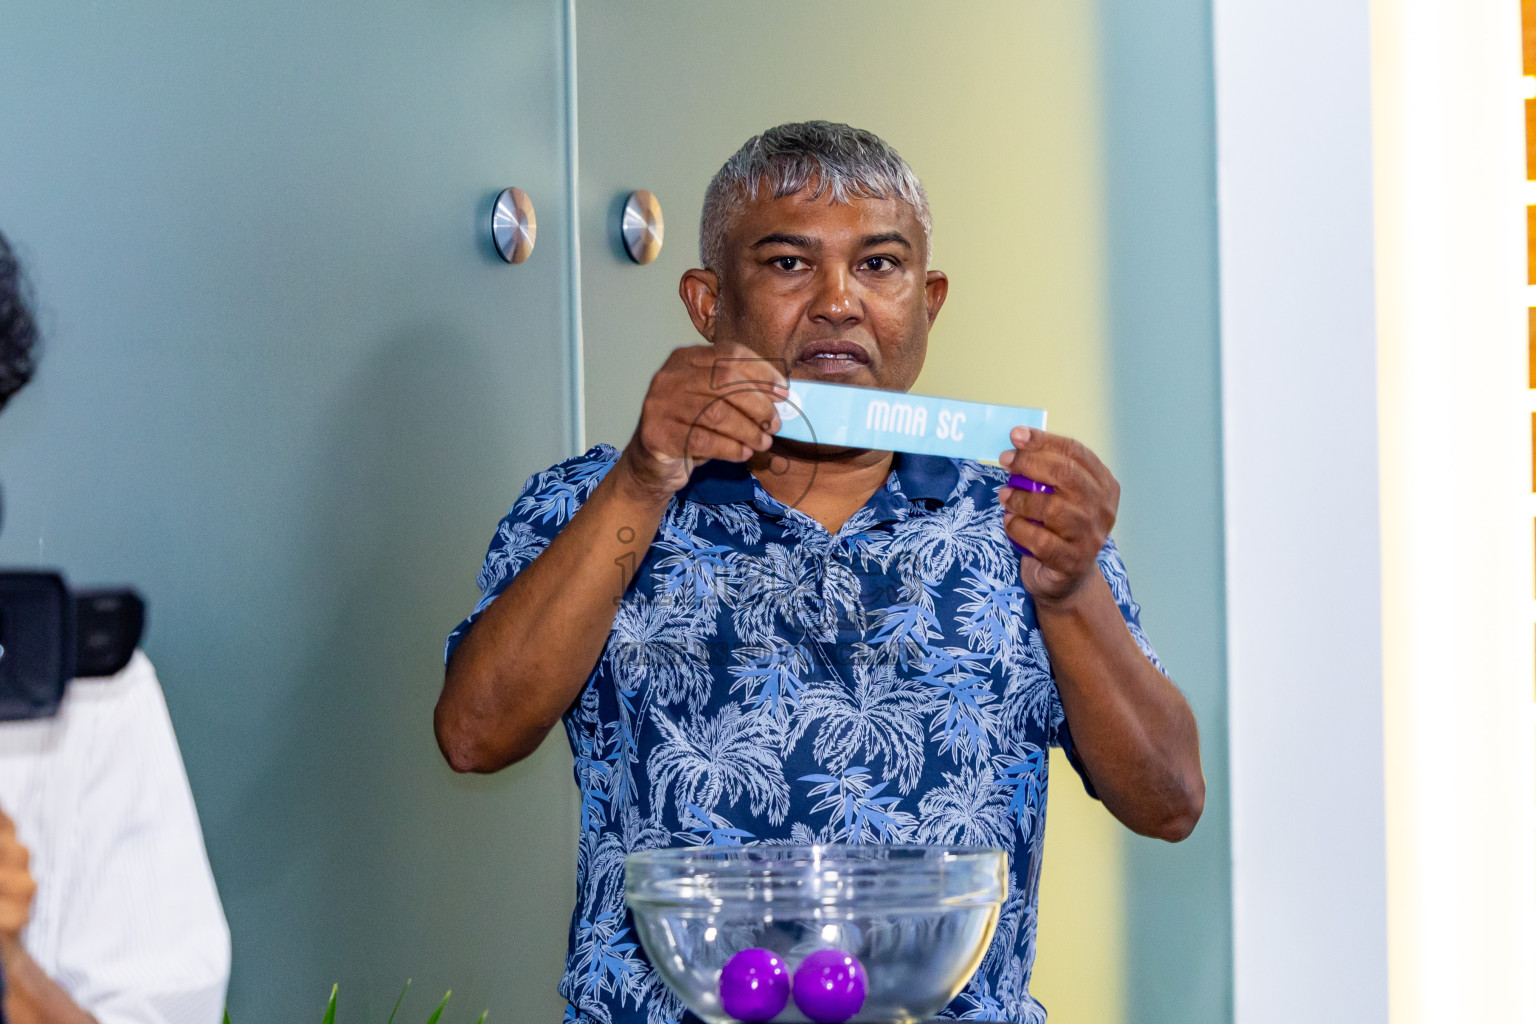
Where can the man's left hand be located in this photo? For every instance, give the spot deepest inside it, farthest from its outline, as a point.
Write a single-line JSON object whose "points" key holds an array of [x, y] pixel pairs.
{"points": [[1065, 530]]}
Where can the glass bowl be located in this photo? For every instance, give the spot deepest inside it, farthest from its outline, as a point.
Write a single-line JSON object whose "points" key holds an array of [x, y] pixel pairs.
{"points": [[918, 919]]}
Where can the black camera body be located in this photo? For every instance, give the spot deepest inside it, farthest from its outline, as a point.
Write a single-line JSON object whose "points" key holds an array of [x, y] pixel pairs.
{"points": [[49, 636]]}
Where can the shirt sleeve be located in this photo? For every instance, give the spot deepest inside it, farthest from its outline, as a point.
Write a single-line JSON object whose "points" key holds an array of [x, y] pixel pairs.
{"points": [[1113, 569], [547, 502], [142, 937]]}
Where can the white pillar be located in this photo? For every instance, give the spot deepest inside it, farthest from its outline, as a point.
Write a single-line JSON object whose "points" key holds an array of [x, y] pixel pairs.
{"points": [[1303, 540]]}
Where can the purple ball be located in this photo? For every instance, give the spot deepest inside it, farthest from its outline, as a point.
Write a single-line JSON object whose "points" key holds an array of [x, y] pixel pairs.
{"points": [[830, 986], [754, 986]]}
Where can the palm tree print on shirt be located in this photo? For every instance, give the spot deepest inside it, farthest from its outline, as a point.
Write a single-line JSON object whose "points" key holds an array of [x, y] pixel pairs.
{"points": [[765, 681]]}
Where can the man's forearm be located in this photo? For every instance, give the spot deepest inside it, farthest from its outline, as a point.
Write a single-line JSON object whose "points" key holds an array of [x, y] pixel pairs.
{"points": [[530, 652], [1132, 728], [31, 997]]}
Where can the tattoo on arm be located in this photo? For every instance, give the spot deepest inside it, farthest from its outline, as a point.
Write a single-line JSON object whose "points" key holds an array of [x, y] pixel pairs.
{"points": [[628, 563]]}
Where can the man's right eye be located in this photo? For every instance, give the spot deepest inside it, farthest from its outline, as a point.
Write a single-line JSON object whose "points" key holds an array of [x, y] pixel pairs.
{"points": [[787, 262]]}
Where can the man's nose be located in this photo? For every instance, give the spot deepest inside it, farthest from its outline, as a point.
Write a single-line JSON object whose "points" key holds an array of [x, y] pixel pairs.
{"points": [[837, 301]]}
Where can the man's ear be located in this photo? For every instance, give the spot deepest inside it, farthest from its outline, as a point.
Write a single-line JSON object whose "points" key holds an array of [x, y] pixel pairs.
{"points": [[934, 292], [700, 290]]}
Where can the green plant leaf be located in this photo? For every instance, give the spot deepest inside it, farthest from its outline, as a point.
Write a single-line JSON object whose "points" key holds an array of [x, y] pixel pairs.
{"points": [[483, 1014], [435, 1013], [397, 1002], [330, 1009], [226, 1015]]}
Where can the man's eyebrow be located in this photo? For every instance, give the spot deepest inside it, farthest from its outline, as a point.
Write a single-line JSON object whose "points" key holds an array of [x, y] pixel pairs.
{"points": [[885, 238], [779, 238]]}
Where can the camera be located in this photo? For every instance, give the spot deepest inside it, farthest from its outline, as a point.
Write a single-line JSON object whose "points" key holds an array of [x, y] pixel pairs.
{"points": [[49, 636]]}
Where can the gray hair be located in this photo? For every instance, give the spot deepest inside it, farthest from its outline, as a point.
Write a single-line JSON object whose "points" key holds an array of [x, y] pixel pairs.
{"points": [[830, 159]]}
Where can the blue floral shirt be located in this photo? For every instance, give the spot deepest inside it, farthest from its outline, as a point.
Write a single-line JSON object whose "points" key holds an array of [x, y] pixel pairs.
{"points": [[766, 681]]}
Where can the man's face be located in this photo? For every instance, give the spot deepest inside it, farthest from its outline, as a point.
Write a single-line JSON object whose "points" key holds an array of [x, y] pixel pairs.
{"points": [[839, 291]]}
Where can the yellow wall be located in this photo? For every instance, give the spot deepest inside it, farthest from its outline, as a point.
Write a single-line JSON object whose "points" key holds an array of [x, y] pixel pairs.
{"points": [[1018, 226]]}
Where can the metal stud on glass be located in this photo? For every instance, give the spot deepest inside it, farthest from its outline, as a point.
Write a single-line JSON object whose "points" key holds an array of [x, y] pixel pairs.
{"points": [[642, 226], [513, 225]]}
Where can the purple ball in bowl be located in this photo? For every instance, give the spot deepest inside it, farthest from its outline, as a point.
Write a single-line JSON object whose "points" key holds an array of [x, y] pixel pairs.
{"points": [[830, 986], [754, 986]]}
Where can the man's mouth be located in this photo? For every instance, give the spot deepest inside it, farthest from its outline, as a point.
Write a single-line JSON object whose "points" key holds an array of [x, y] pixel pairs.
{"points": [[833, 357]]}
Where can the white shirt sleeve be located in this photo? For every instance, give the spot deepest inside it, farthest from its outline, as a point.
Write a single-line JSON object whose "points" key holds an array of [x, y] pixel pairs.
{"points": [[135, 931]]}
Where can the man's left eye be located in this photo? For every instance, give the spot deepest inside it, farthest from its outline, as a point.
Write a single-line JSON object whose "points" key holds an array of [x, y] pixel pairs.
{"points": [[880, 263]]}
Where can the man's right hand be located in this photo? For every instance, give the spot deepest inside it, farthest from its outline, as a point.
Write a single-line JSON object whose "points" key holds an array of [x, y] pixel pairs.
{"points": [[706, 402], [531, 651]]}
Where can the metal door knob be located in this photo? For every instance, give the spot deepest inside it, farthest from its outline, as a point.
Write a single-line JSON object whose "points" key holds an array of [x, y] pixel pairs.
{"points": [[642, 226], [513, 225]]}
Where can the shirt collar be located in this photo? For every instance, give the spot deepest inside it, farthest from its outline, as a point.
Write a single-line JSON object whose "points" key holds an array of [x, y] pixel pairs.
{"points": [[719, 483], [916, 477], [928, 477]]}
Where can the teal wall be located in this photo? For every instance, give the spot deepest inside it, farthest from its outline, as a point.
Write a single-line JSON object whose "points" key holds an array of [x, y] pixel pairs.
{"points": [[1160, 202], [287, 394]]}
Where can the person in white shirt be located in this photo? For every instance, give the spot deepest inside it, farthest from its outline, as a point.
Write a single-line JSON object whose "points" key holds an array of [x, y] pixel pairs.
{"points": [[108, 909], [125, 924]]}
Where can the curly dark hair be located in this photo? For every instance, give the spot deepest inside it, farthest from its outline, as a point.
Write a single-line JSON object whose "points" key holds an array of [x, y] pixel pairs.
{"points": [[18, 331]]}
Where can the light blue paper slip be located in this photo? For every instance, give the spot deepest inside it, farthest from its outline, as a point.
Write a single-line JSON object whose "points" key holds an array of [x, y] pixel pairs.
{"points": [[849, 417]]}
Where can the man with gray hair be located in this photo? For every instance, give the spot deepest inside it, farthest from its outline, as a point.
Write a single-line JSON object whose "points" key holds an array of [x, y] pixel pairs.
{"points": [[755, 640]]}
